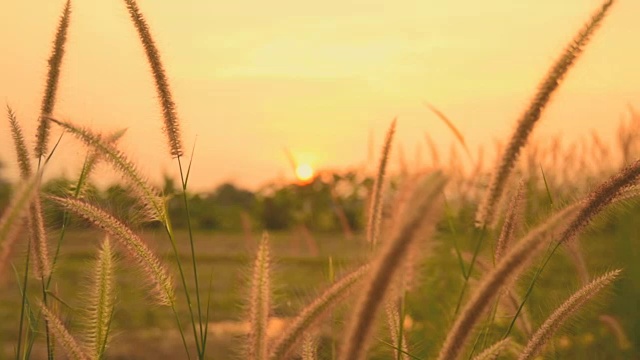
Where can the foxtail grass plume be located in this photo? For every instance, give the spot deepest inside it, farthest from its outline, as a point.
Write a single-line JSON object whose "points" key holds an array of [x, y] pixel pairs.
{"points": [[606, 193], [493, 351], [309, 348], [486, 210], [568, 308], [120, 162], [395, 329], [308, 316], [92, 159], [101, 300], [53, 77], [22, 153], [375, 210], [512, 264], [169, 113], [423, 214], [512, 221], [260, 302], [68, 342], [39, 238], [148, 262]]}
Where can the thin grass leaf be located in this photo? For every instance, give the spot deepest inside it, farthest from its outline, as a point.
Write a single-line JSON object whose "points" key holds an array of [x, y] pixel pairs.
{"points": [[457, 133]]}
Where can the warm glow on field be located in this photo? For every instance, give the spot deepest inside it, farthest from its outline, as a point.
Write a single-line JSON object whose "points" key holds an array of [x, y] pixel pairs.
{"points": [[304, 172], [313, 77]]}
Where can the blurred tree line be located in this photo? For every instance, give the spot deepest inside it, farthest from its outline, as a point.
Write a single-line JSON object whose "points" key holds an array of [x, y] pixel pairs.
{"points": [[329, 202]]}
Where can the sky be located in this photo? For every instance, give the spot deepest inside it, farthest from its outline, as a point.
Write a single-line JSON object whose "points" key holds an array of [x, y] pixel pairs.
{"points": [[252, 78]]}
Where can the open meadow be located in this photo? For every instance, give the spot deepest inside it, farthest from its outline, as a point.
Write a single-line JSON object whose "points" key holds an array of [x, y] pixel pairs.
{"points": [[145, 331]]}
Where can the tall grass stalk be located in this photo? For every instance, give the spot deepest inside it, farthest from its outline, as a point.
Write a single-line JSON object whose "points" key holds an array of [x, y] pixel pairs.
{"points": [[154, 206], [260, 302], [88, 165], [423, 213], [156, 272], [68, 342], [51, 85], [309, 315], [570, 306], [618, 187], [512, 264], [169, 114], [101, 301], [486, 210], [375, 209], [492, 352], [172, 131]]}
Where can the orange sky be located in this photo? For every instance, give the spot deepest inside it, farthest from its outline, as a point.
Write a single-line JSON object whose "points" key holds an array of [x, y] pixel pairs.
{"points": [[253, 77]]}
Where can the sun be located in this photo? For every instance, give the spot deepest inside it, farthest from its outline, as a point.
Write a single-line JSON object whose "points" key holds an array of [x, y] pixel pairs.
{"points": [[304, 172]]}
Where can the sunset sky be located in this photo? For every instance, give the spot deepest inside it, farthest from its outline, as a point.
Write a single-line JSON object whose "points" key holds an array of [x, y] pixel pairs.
{"points": [[252, 78]]}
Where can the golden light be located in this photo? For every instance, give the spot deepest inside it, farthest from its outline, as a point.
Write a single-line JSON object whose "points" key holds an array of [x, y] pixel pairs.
{"points": [[304, 172]]}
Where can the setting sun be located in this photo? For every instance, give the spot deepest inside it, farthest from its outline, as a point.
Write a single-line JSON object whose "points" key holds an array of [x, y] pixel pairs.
{"points": [[304, 172]]}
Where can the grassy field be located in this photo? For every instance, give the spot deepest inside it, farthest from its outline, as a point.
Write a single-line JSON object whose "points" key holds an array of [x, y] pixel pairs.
{"points": [[147, 331]]}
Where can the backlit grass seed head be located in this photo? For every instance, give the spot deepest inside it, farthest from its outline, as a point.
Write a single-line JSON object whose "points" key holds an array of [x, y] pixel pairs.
{"points": [[375, 210], [602, 196], [512, 264], [62, 335], [92, 159], [493, 351], [393, 323], [13, 216], [260, 302], [120, 162], [313, 312], [512, 221], [39, 239], [569, 307], [156, 272], [309, 348], [22, 153], [486, 210], [423, 213], [169, 113], [53, 76], [101, 298]]}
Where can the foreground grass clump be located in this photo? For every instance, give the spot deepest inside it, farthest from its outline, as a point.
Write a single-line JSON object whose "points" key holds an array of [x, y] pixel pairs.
{"points": [[453, 284]]}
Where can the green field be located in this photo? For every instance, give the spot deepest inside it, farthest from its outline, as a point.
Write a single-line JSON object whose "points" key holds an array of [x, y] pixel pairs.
{"points": [[144, 330]]}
